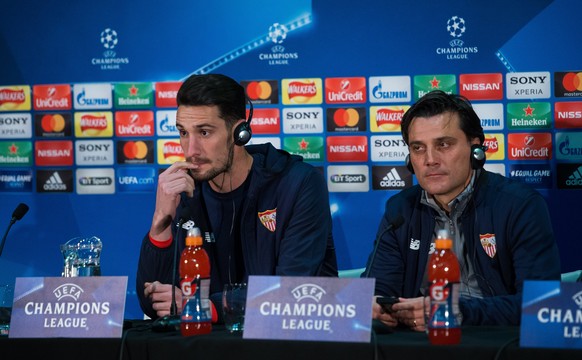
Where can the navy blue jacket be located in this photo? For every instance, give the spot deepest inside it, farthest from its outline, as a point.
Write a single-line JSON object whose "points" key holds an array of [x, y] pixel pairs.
{"points": [[526, 249], [300, 244]]}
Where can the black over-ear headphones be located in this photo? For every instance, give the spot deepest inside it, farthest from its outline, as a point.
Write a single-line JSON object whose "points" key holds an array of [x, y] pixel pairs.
{"points": [[478, 157], [243, 132]]}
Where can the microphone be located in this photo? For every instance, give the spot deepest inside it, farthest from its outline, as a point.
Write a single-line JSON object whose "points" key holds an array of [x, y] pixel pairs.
{"points": [[172, 322], [18, 213], [393, 225]]}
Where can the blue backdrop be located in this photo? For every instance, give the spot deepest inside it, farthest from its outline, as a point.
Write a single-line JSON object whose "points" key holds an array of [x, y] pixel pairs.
{"points": [[45, 43]]}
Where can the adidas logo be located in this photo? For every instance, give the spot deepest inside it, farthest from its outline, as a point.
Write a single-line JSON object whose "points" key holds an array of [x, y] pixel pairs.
{"points": [[55, 183], [576, 178], [392, 179]]}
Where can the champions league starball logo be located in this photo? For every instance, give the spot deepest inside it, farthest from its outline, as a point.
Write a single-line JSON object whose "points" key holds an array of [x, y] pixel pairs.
{"points": [[109, 38], [279, 56], [457, 50], [278, 33], [456, 26]]}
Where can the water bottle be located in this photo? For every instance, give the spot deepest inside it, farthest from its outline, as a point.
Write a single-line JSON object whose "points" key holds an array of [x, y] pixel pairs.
{"points": [[196, 317], [444, 277]]}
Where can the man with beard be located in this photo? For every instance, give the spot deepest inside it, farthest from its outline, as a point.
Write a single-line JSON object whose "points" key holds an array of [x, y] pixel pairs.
{"points": [[262, 211]]}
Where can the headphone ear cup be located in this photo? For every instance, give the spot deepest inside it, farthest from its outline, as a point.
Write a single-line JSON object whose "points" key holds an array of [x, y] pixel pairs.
{"points": [[478, 156], [242, 133], [409, 164]]}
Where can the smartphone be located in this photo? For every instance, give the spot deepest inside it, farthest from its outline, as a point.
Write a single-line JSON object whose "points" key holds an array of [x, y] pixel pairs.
{"points": [[386, 302]]}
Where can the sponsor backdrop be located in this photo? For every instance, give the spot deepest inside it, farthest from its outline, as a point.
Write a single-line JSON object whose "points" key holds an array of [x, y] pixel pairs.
{"points": [[87, 107]]}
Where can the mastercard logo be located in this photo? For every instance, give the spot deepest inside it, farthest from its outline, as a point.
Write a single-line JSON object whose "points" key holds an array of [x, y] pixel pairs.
{"points": [[346, 117], [572, 81], [135, 150], [259, 90], [53, 123]]}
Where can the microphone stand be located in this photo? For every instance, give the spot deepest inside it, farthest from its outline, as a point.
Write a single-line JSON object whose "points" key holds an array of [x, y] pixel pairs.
{"points": [[392, 225], [174, 306], [172, 322]]}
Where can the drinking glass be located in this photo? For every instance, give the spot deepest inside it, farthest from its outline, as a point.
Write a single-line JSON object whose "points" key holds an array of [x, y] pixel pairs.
{"points": [[234, 297]]}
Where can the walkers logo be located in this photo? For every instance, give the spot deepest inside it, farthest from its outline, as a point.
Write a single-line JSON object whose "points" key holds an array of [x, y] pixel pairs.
{"points": [[93, 124], [169, 151], [345, 90], [92, 96], [262, 91], [529, 116], [52, 97], [95, 181], [457, 50], [528, 85], [423, 84], [54, 181], [391, 177], [495, 146], [166, 93], [481, 86], [489, 244], [94, 152], [136, 179], [16, 180], [388, 148], [569, 176], [348, 178], [15, 98], [266, 121], [15, 153], [387, 118], [54, 153], [538, 175], [133, 95], [568, 114], [53, 125], [15, 125], [269, 219], [134, 123], [277, 33], [568, 84], [166, 123], [109, 39], [529, 146], [491, 116], [350, 119], [135, 152], [310, 148], [347, 148], [569, 146], [301, 91], [390, 89]]}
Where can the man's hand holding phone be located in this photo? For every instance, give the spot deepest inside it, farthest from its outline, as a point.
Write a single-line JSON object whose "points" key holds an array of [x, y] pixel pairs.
{"points": [[386, 302]]}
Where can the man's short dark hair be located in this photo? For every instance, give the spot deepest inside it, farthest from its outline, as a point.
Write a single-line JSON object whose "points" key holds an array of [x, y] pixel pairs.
{"points": [[214, 90], [437, 102]]}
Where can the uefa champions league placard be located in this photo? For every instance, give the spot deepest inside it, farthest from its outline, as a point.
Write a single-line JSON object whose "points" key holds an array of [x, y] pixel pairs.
{"points": [[551, 315], [75, 307], [309, 308]]}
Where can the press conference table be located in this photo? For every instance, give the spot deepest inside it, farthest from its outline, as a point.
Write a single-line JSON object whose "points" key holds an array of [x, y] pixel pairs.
{"points": [[140, 342]]}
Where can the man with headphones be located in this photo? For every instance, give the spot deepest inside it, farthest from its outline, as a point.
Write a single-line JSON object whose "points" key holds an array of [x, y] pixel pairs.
{"points": [[501, 228], [262, 211]]}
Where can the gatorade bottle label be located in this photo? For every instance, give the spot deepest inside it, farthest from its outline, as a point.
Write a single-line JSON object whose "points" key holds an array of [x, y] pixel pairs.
{"points": [[196, 306], [444, 305]]}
